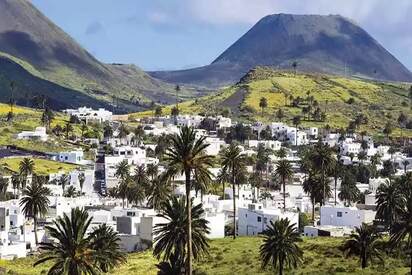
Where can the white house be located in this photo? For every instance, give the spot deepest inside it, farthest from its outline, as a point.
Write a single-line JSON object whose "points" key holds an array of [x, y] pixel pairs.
{"points": [[215, 145], [88, 114], [38, 134], [345, 216], [326, 231], [269, 144], [223, 122], [255, 218], [348, 146], [75, 156]]}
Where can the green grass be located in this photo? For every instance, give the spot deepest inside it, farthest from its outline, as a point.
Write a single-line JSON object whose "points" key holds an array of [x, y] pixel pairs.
{"points": [[42, 166], [241, 256]]}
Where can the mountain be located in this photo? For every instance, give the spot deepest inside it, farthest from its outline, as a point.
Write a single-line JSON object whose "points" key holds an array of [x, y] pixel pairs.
{"points": [[56, 63], [325, 44]]}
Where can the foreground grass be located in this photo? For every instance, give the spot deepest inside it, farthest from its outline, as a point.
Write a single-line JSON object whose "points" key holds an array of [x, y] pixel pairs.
{"points": [[241, 256]]}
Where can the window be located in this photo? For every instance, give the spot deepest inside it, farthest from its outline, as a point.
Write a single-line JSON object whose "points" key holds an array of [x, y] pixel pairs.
{"points": [[265, 220], [259, 219], [339, 214]]}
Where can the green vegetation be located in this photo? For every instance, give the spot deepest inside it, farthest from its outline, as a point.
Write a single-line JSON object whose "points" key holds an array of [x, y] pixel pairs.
{"points": [[43, 166], [241, 256], [341, 99]]}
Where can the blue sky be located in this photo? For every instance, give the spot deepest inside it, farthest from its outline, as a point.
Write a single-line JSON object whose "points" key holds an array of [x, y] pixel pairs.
{"points": [[176, 34]]}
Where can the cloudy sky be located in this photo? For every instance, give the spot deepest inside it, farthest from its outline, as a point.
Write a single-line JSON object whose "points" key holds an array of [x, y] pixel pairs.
{"points": [[175, 34]]}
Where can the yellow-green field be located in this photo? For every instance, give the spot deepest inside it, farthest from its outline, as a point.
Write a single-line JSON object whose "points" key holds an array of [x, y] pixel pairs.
{"points": [[42, 166], [227, 257], [27, 119]]}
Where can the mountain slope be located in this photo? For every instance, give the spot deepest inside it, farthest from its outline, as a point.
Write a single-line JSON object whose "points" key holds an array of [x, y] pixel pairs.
{"points": [[27, 35], [326, 44], [341, 99]]}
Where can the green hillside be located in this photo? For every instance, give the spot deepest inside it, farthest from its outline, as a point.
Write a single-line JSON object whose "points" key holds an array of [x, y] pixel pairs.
{"points": [[341, 99], [321, 256], [27, 119]]}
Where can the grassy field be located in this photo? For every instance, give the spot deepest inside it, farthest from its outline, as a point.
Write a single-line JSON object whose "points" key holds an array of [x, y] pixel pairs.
{"points": [[42, 166], [379, 102], [321, 256], [27, 119]]}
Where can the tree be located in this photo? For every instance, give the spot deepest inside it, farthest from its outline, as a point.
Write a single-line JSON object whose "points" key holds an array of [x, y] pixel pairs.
{"points": [[68, 129], [47, 117], [263, 103], [389, 203], [284, 172], [296, 123], [81, 179], [83, 130], [35, 203], [281, 153], [280, 114], [73, 252], [322, 161], [348, 190], [26, 168], [364, 242], [123, 131], [171, 237], [177, 89], [174, 112], [187, 155], [70, 192], [4, 183], [158, 111], [232, 163], [295, 66], [63, 181], [402, 120], [313, 187], [279, 247], [159, 191], [388, 130], [223, 177], [122, 170], [107, 131], [106, 242], [16, 183], [171, 267]]}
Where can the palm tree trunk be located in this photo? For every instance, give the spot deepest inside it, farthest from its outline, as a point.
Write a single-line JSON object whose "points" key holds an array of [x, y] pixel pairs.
{"points": [[284, 194], [189, 224], [234, 202], [363, 260], [281, 266], [35, 230], [223, 190], [336, 183]]}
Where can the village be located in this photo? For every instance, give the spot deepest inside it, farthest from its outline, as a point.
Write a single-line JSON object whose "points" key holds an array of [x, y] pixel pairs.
{"points": [[125, 181]]}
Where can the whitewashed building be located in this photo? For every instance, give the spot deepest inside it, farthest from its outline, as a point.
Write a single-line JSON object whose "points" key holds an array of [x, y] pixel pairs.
{"points": [[345, 216], [38, 134], [88, 114]]}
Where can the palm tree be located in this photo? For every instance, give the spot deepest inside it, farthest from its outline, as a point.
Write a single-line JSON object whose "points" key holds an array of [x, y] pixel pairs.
{"points": [[279, 247], [4, 183], [70, 192], [159, 191], [349, 192], [187, 155], [263, 103], [337, 172], [389, 202], [68, 128], [105, 241], [122, 170], [152, 170], [171, 267], [171, 237], [223, 177], [16, 182], [322, 161], [26, 168], [81, 177], [73, 252], [284, 172], [232, 163], [63, 181], [402, 228], [364, 242], [35, 203], [313, 188]]}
